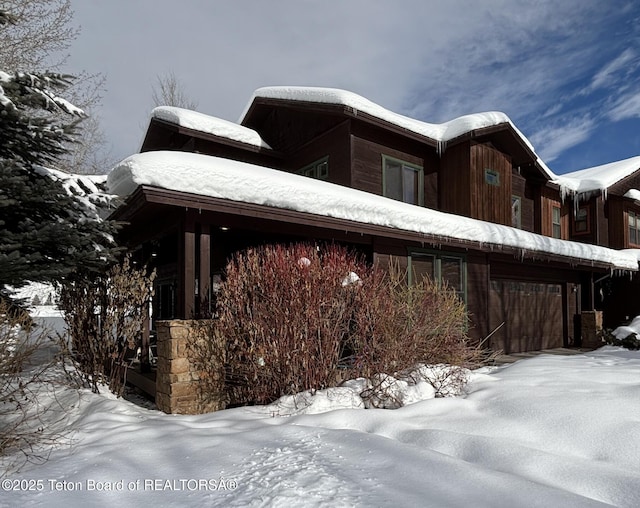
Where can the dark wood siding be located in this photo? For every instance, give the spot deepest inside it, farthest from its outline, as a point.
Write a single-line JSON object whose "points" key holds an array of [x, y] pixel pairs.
{"points": [[366, 171], [617, 223], [463, 187], [602, 222], [333, 144], [478, 295], [490, 202], [519, 188], [621, 187], [590, 236], [286, 129], [455, 180], [549, 199]]}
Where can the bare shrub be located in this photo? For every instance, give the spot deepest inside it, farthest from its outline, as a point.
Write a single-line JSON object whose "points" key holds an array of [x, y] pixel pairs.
{"points": [[25, 375], [283, 314], [296, 318], [105, 318], [207, 354], [401, 328]]}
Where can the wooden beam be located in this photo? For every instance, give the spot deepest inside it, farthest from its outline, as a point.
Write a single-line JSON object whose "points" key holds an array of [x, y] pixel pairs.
{"points": [[204, 277], [186, 267]]}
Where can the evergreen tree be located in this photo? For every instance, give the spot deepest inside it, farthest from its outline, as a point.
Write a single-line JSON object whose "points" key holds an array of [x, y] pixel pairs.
{"points": [[46, 233]]}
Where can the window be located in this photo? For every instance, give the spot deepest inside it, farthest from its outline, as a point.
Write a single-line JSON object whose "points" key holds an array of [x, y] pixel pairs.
{"points": [[634, 225], [556, 225], [442, 268], [165, 301], [516, 212], [318, 169], [403, 181], [581, 222], [492, 177]]}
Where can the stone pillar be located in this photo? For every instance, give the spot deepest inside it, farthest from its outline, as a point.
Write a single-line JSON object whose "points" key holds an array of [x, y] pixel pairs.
{"points": [[180, 387], [591, 328]]}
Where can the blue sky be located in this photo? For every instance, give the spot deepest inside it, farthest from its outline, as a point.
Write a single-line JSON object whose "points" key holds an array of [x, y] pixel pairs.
{"points": [[568, 75]]}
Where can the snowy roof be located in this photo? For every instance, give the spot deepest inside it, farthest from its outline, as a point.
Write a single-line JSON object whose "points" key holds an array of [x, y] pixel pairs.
{"points": [[243, 182], [441, 133], [632, 194], [209, 125], [598, 178]]}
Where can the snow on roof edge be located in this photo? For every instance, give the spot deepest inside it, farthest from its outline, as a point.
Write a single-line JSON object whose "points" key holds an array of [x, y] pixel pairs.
{"points": [[209, 125], [243, 182], [440, 133], [596, 179]]}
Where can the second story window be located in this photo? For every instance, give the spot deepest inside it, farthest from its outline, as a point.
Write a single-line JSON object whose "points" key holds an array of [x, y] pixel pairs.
{"points": [[581, 222], [318, 169], [516, 212], [402, 181], [634, 225], [556, 224]]}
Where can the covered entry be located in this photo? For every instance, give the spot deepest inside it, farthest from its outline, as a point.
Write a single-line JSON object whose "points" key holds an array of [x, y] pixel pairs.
{"points": [[532, 314]]}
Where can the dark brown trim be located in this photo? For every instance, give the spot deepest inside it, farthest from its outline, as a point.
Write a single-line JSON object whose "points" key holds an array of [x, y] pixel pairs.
{"points": [[236, 208], [186, 268]]}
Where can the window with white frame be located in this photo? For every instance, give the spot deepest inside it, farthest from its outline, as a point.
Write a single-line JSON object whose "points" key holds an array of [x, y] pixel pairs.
{"points": [[556, 224], [516, 212], [403, 181], [633, 220]]}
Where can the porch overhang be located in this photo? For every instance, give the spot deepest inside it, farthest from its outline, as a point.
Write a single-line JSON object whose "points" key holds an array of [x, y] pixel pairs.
{"points": [[144, 205]]}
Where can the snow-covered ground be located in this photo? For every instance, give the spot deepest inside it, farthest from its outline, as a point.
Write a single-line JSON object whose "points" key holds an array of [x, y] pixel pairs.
{"points": [[547, 431]]}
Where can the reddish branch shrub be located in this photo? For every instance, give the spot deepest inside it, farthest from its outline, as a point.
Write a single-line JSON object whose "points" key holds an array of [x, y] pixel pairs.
{"points": [[284, 312], [297, 318], [398, 326]]}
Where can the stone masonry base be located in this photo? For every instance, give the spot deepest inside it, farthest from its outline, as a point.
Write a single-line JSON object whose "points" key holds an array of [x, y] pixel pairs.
{"points": [[181, 387]]}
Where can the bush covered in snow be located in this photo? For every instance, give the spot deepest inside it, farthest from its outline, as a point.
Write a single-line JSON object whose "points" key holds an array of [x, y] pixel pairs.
{"points": [[297, 318], [625, 336]]}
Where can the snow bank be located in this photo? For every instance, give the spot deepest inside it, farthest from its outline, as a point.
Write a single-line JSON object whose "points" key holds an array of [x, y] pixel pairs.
{"points": [[238, 181], [547, 431], [209, 125], [622, 332]]}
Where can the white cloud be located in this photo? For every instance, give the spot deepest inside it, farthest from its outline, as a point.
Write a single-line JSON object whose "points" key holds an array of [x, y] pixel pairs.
{"points": [[625, 107], [431, 60], [551, 141], [606, 76]]}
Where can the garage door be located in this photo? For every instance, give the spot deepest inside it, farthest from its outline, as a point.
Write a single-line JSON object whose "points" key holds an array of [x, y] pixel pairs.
{"points": [[531, 313]]}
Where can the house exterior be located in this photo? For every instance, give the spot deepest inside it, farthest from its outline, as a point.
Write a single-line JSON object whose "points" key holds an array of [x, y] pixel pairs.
{"points": [[604, 207], [468, 202]]}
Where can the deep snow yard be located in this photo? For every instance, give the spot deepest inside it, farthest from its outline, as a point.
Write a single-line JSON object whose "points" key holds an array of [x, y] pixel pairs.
{"points": [[555, 431]]}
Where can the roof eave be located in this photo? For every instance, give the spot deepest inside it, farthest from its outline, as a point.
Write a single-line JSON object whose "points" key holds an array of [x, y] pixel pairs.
{"points": [[147, 195]]}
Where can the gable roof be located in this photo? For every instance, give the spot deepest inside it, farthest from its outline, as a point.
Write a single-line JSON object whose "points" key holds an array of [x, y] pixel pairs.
{"points": [[441, 134], [236, 181], [597, 179]]}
